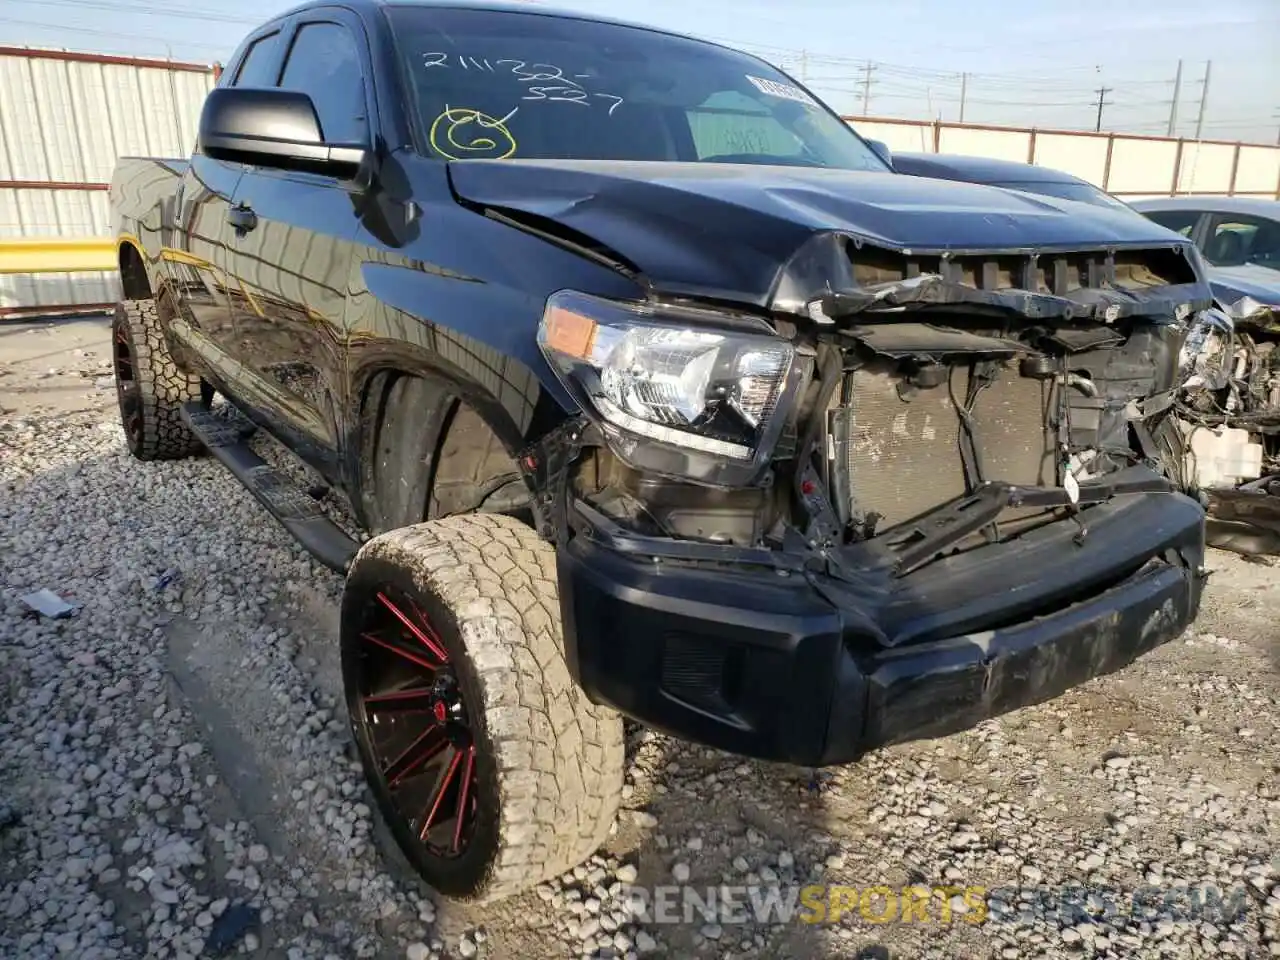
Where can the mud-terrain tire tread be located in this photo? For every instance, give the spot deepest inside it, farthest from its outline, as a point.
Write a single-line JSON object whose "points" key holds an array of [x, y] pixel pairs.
{"points": [[560, 757], [163, 387]]}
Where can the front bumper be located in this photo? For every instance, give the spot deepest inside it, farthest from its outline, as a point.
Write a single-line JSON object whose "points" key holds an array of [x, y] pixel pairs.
{"points": [[773, 666]]}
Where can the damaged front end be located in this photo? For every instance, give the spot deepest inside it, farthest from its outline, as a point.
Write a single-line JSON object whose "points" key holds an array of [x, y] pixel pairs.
{"points": [[929, 487], [1228, 410]]}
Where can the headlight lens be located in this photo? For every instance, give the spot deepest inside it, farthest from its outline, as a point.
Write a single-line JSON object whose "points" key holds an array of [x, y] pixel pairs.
{"points": [[673, 393]]}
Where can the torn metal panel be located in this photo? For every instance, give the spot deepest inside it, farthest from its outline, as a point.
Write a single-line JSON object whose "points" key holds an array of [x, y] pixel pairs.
{"points": [[1175, 302], [901, 340]]}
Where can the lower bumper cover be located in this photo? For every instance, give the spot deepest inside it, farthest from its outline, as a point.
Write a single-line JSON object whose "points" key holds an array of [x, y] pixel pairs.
{"points": [[765, 665]]}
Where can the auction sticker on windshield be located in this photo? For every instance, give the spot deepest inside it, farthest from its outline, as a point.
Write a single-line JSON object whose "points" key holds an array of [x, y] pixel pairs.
{"points": [[785, 90]]}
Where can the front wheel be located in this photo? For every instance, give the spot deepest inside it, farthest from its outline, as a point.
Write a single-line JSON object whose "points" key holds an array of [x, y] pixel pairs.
{"points": [[492, 769]]}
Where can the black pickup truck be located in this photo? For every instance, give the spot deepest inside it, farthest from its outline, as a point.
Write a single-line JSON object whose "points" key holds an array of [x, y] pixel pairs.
{"points": [[656, 393]]}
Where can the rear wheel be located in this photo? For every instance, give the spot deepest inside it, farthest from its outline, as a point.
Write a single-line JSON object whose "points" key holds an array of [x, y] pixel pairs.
{"points": [[492, 769], [150, 388]]}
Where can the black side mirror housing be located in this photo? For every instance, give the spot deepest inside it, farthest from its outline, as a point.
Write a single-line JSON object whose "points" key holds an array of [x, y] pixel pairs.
{"points": [[274, 128], [882, 151]]}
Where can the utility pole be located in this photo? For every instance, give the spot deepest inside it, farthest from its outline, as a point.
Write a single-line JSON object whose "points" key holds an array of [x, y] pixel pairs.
{"points": [[1204, 97], [1177, 94], [866, 89], [1102, 92], [964, 86]]}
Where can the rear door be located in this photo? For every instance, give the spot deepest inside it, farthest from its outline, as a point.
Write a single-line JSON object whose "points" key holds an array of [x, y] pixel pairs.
{"points": [[292, 250]]}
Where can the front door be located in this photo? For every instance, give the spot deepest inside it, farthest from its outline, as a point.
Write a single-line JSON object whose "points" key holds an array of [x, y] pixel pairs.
{"points": [[292, 252]]}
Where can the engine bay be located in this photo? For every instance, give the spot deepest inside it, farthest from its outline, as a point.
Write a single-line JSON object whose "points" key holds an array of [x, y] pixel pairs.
{"points": [[907, 425]]}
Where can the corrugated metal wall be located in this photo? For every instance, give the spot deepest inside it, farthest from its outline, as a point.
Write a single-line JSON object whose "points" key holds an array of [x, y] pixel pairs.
{"points": [[64, 119]]}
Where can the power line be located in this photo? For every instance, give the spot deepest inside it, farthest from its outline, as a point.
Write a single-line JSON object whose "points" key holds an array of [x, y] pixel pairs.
{"points": [[176, 13], [167, 41]]}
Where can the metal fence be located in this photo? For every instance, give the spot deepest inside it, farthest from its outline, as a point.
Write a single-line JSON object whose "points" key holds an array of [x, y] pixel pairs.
{"points": [[66, 117], [1122, 164]]}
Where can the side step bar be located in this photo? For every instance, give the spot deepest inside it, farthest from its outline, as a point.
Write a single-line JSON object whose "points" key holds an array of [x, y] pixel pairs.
{"points": [[227, 439]]}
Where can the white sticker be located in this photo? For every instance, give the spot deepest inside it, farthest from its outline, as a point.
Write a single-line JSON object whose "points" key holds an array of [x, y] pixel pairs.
{"points": [[785, 90], [1071, 486]]}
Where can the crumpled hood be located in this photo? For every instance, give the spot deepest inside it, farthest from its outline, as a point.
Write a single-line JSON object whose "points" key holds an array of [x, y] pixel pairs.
{"points": [[728, 230]]}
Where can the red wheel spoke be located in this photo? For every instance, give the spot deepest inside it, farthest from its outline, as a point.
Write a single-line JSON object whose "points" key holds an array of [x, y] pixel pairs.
{"points": [[441, 788], [402, 701], [462, 795], [400, 651], [429, 642], [413, 757]]}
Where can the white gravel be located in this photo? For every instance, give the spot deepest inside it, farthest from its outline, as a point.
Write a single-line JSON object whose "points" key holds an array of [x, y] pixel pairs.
{"points": [[175, 760]]}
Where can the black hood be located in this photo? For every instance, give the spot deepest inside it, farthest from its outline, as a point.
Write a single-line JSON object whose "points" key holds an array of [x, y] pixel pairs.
{"points": [[729, 230]]}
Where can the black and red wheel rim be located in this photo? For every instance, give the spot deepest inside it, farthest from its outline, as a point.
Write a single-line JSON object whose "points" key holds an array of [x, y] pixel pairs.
{"points": [[411, 713], [127, 387]]}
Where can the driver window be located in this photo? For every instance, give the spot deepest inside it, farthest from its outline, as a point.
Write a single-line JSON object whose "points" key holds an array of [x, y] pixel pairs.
{"points": [[730, 124], [324, 64], [1239, 240]]}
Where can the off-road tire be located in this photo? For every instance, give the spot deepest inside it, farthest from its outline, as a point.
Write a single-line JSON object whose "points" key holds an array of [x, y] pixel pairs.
{"points": [[549, 763], [150, 387]]}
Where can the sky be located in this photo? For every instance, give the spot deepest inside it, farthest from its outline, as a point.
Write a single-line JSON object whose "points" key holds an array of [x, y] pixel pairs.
{"points": [[1022, 64]]}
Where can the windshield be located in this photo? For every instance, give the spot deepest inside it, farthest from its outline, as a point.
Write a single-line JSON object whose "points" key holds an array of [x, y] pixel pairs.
{"points": [[495, 85], [1083, 192]]}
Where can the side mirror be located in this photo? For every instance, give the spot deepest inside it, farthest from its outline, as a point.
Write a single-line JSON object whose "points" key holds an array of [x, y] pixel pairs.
{"points": [[273, 128], [882, 151]]}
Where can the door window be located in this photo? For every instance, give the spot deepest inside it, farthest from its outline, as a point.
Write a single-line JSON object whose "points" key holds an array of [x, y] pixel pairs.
{"points": [[257, 68], [324, 64], [1237, 240]]}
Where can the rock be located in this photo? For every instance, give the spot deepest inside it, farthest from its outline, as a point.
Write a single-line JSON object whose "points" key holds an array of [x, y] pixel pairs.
{"points": [[645, 942], [417, 951], [681, 872], [162, 894], [466, 948], [627, 873]]}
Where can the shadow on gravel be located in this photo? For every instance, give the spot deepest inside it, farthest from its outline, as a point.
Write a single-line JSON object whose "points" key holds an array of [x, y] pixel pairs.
{"points": [[755, 838]]}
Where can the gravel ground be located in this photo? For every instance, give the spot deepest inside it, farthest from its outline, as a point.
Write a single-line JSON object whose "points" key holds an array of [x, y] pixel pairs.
{"points": [[176, 776]]}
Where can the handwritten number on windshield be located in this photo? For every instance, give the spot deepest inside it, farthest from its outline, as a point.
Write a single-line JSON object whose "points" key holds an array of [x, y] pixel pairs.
{"points": [[617, 101], [544, 81]]}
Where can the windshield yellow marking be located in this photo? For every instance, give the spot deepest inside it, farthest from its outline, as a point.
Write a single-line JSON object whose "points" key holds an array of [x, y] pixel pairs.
{"points": [[448, 135]]}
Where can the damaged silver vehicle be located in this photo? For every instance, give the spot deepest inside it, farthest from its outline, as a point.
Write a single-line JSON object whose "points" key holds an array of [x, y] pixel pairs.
{"points": [[1229, 418], [1230, 405]]}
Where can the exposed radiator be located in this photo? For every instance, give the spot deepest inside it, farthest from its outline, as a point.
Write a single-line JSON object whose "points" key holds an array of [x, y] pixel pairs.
{"points": [[903, 456]]}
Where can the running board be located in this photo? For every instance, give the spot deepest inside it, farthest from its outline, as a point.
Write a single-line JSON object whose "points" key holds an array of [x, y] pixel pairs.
{"points": [[227, 439]]}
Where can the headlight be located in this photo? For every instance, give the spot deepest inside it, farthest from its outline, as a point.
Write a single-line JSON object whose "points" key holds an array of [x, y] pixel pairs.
{"points": [[1205, 360], [677, 391]]}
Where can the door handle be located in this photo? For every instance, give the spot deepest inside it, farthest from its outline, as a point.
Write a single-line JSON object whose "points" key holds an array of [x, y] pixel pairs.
{"points": [[242, 217]]}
